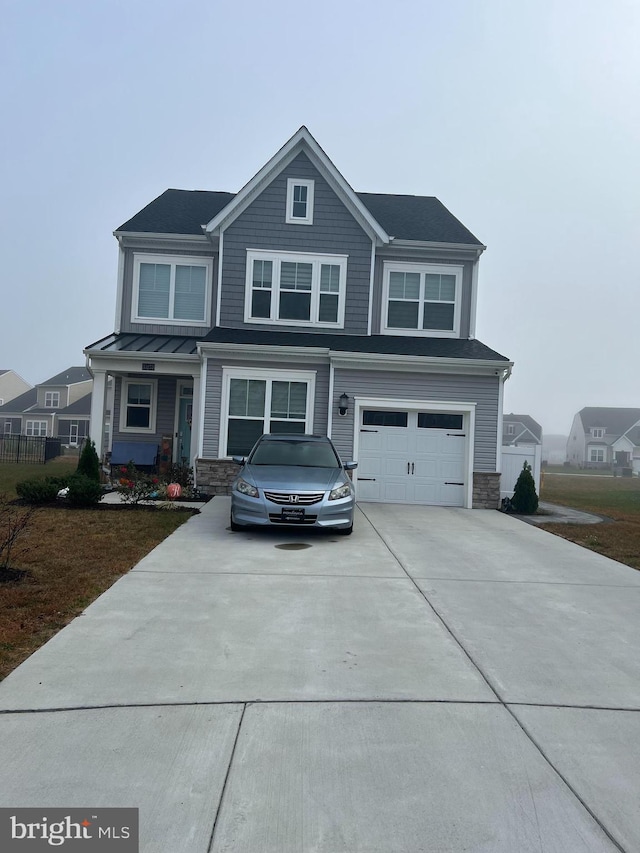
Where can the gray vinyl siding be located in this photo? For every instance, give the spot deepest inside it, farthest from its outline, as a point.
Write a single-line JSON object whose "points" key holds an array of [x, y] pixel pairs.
{"points": [[165, 413], [481, 390], [262, 226], [63, 390], [164, 328], [213, 396], [467, 273]]}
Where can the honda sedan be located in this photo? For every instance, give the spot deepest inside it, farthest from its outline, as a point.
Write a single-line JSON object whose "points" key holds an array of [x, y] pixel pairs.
{"points": [[293, 481]]}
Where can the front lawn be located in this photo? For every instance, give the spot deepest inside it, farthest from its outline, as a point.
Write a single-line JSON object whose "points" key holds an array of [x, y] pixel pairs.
{"points": [[617, 498], [71, 556]]}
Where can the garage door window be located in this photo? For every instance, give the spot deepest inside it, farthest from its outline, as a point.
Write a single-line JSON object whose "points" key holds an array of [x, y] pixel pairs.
{"points": [[382, 418], [436, 420]]}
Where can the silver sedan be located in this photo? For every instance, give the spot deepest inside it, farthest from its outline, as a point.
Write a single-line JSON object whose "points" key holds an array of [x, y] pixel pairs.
{"points": [[293, 481]]}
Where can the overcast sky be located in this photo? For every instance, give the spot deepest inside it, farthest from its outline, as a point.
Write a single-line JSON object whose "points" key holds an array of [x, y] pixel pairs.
{"points": [[522, 117]]}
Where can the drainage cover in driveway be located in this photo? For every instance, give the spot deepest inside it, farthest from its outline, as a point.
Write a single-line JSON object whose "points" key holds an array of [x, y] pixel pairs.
{"points": [[293, 546]]}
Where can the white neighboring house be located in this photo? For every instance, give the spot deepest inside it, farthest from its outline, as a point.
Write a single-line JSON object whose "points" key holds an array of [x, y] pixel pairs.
{"points": [[603, 437], [520, 429], [11, 386]]}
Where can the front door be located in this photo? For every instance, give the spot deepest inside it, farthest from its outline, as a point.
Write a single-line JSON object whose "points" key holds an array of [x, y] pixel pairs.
{"points": [[185, 415]]}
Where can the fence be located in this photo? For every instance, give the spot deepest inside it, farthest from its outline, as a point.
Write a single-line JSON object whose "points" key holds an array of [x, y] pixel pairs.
{"points": [[27, 448], [513, 458]]}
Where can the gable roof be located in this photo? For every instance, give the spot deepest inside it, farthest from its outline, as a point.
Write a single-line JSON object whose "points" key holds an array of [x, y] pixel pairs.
{"points": [[82, 406], [528, 423], [21, 403], [68, 377], [403, 217], [615, 421]]}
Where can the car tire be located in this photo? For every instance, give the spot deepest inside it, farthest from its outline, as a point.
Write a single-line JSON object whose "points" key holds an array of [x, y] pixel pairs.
{"points": [[345, 531], [236, 528]]}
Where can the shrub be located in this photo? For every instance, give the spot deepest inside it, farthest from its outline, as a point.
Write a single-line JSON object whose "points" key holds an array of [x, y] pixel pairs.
{"points": [[135, 486], [181, 474], [58, 482], [14, 523], [525, 499], [37, 491], [83, 491], [88, 463]]}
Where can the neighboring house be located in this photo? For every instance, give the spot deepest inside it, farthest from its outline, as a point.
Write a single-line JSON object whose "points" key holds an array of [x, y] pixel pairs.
{"points": [[605, 438], [520, 429], [11, 386], [59, 407], [298, 305]]}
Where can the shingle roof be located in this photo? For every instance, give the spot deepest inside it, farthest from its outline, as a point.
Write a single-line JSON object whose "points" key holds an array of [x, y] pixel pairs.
{"points": [[2, 372], [527, 421], [406, 217], [82, 406], [22, 403], [615, 421], [69, 377], [381, 344]]}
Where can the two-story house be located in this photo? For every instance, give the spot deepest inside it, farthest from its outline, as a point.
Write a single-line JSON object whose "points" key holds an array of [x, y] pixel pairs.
{"points": [[605, 437], [58, 407], [520, 429], [298, 305], [11, 386]]}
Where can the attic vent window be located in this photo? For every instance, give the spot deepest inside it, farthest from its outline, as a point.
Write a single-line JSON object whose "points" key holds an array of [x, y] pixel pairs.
{"points": [[299, 202], [148, 365]]}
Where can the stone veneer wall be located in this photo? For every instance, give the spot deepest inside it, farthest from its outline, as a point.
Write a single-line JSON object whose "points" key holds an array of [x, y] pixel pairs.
{"points": [[486, 490], [214, 476]]}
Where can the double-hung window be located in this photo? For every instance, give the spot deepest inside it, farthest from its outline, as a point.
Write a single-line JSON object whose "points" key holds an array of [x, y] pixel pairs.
{"points": [[422, 298], [596, 454], [51, 399], [171, 289], [597, 432], [299, 202], [138, 406], [295, 289], [258, 401], [37, 428]]}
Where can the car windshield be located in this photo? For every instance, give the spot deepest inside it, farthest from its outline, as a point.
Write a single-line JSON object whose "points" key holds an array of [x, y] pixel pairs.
{"points": [[309, 454]]}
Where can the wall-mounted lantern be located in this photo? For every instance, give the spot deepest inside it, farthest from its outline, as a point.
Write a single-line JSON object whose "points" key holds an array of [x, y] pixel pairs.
{"points": [[343, 405]]}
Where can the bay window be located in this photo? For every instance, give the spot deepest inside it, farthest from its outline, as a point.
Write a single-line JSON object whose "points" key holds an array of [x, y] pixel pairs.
{"points": [[257, 401], [295, 289], [422, 298], [171, 289]]}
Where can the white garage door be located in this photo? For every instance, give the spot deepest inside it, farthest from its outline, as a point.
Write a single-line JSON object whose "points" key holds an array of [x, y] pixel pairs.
{"points": [[412, 457]]}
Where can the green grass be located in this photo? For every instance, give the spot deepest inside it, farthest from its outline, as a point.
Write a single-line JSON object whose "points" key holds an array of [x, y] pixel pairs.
{"points": [[12, 473], [578, 472]]}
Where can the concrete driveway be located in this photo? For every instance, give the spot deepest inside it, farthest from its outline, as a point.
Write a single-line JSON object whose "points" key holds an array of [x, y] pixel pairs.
{"points": [[442, 680]]}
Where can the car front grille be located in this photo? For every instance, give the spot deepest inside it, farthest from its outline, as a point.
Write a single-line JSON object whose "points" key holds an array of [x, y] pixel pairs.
{"points": [[274, 518], [294, 499]]}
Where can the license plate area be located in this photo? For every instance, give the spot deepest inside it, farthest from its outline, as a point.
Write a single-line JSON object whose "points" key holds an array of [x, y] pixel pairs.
{"points": [[293, 514]]}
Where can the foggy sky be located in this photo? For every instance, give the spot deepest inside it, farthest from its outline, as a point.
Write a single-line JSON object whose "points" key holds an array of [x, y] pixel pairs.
{"points": [[522, 118]]}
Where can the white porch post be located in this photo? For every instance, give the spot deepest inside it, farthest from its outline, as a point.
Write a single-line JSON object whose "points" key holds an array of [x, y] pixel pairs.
{"points": [[96, 424], [196, 424]]}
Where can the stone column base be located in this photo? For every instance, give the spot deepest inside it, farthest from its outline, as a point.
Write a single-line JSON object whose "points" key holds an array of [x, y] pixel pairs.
{"points": [[486, 490], [214, 476]]}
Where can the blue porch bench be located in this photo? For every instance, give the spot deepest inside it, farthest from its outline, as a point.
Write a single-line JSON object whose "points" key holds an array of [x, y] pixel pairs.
{"points": [[144, 455]]}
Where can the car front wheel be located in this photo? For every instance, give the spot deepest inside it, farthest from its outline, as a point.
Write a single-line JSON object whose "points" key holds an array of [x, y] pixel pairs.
{"points": [[236, 528]]}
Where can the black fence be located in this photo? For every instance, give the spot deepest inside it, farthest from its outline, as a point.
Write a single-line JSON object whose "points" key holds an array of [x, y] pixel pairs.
{"points": [[27, 448]]}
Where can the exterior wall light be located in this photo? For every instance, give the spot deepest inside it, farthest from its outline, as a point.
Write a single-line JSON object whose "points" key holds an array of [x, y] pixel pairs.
{"points": [[343, 404]]}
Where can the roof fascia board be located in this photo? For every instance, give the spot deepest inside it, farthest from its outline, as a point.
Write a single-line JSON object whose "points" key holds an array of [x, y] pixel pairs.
{"points": [[210, 348], [301, 139], [476, 248], [149, 355], [430, 364], [123, 363]]}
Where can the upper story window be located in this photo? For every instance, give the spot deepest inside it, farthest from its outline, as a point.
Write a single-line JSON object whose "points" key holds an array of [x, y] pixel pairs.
{"points": [[52, 399], [295, 289], [597, 432], [299, 202], [171, 289], [422, 298], [511, 429]]}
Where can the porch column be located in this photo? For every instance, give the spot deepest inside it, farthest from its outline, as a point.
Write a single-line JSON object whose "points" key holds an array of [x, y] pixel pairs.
{"points": [[196, 425], [96, 423]]}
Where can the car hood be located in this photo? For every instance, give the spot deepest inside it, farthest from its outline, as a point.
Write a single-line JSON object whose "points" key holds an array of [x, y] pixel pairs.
{"points": [[293, 478]]}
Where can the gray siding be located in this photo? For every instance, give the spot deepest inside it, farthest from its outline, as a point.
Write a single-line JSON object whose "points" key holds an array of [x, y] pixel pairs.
{"points": [[465, 308], [166, 409], [482, 390], [167, 328], [262, 226], [63, 390], [213, 397]]}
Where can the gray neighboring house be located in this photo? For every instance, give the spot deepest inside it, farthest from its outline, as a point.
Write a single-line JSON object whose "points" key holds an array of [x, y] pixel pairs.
{"points": [[60, 407], [603, 437], [520, 429], [11, 386], [299, 305]]}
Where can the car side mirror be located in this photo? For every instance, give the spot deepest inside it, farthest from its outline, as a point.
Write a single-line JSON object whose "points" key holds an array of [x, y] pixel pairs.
{"points": [[350, 466], [239, 460]]}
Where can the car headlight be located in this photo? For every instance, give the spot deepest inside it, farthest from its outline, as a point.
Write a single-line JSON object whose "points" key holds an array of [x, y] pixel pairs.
{"points": [[246, 488], [342, 491]]}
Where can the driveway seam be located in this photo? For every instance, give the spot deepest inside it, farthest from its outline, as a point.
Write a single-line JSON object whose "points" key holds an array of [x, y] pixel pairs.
{"points": [[546, 583], [226, 779], [494, 690]]}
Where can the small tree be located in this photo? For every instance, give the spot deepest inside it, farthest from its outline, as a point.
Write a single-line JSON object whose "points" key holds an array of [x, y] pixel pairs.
{"points": [[88, 463], [14, 524], [525, 499]]}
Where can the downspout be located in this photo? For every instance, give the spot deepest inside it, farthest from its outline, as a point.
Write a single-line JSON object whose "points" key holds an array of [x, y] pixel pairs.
{"points": [[503, 378]]}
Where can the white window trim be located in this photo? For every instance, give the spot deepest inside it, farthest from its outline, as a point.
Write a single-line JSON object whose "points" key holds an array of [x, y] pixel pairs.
{"points": [[593, 450], [295, 257], [422, 269], [173, 261], [299, 220], [597, 432], [32, 433], [268, 376], [5, 430], [123, 405], [55, 396], [511, 429]]}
